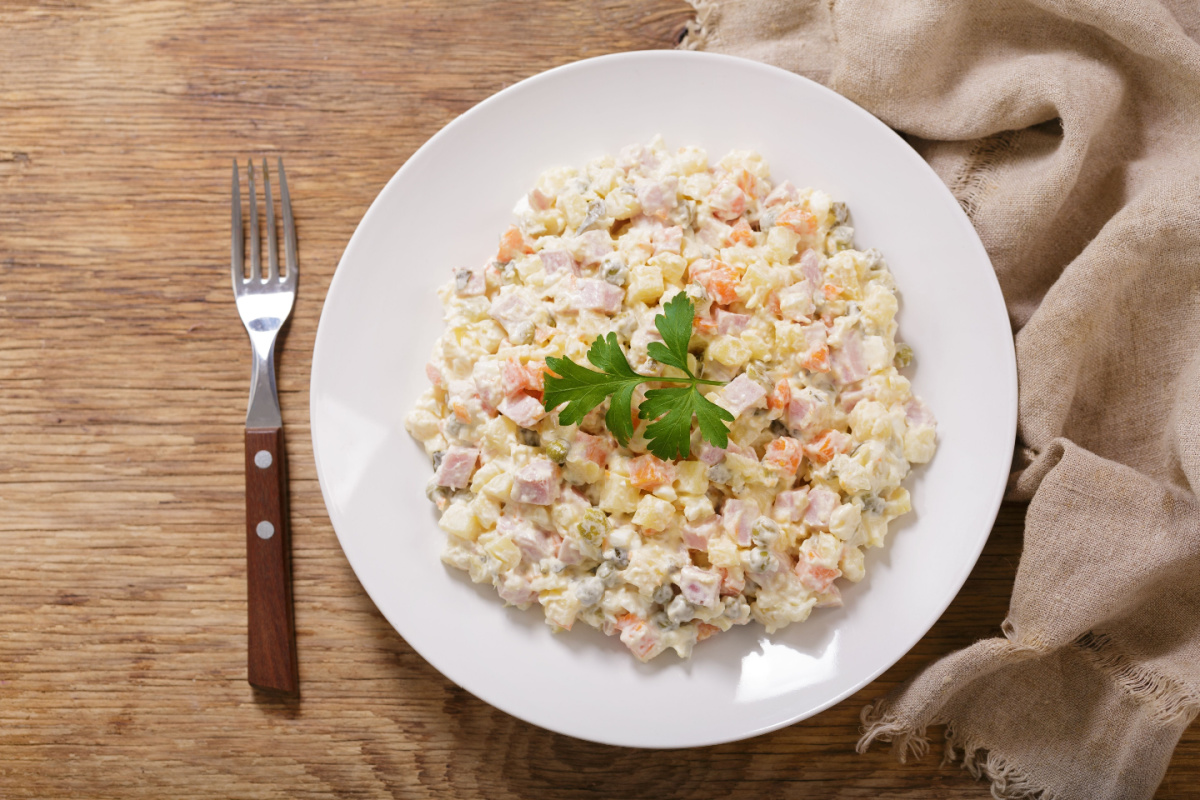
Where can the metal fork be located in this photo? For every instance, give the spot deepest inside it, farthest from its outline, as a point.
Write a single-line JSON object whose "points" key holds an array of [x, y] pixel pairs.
{"points": [[264, 302]]}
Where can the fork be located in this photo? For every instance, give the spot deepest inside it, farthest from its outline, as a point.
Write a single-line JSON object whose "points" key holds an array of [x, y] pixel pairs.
{"points": [[264, 302]]}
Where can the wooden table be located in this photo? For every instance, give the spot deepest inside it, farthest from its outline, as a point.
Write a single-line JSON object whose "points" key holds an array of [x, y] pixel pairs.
{"points": [[124, 374]]}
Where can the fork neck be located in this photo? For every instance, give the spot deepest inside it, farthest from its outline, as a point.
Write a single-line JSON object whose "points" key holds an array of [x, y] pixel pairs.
{"points": [[264, 399]]}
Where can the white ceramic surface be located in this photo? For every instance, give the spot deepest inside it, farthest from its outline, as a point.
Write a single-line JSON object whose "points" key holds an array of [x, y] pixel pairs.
{"points": [[445, 209]]}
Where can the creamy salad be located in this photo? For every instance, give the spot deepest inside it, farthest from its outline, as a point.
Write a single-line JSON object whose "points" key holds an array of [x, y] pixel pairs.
{"points": [[796, 322]]}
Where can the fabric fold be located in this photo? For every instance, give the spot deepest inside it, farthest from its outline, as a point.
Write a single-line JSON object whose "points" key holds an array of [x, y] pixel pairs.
{"points": [[1069, 130]]}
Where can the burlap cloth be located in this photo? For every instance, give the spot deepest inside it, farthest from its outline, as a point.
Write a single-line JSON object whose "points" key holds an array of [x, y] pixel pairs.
{"points": [[1070, 133]]}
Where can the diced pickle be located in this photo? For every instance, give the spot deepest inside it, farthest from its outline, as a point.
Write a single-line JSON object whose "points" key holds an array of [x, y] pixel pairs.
{"points": [[904, 355], [593, 526]]}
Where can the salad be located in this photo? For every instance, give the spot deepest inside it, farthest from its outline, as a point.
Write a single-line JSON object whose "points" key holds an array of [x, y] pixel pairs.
{"points": [[663, 533]]}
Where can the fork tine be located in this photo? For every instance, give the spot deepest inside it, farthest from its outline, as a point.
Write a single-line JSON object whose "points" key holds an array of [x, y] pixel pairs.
{"points": [[237, 237], [255, 245], [272, 252], [289, 226]]}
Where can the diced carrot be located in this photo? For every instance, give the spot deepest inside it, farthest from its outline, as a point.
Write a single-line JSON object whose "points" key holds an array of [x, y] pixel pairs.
{"points": [[704, 325], [747, 182], [742, 232], [818, 360], [704, 630], [536, 371], [816, 577], [798, 220], [781, 395], [731, 587], [648, 472], [784, 454], [461, 412], [512, 244], [721, 283], [595, 448], [831, 290], [543, 333], [827, 445], [435, 375]]}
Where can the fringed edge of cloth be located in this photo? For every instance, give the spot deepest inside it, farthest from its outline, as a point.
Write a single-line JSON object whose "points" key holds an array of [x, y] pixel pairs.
{"points": [[1009, 782], [699, 31], [1169, 700]]}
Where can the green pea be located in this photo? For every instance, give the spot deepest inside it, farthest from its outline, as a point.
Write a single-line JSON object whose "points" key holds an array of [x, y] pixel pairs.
{"points": [[556, 450]]}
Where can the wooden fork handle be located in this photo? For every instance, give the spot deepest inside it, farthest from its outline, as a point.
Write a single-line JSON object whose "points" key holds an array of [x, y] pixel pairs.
{"points": [[272, 627]]}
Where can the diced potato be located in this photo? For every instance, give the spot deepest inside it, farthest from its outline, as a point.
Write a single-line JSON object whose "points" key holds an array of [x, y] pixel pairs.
{"points": [[653, 514], [499, 487], [691, 477], [844, 524], [621, 205], [458, 520], [645, 284], [485, 474], [919, 444], [618, 495], [781, 244], [697, 508], [852, 564], [671, 266], [486, 511], [730, 351], [502, 549]]}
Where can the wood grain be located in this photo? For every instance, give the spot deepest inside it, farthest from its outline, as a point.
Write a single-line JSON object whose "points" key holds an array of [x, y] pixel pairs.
{"points": [[271, 625], [125, 369]]}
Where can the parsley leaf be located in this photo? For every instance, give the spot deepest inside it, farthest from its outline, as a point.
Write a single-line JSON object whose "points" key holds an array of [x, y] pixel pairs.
{"points": [[671, 435], [672, 408]]}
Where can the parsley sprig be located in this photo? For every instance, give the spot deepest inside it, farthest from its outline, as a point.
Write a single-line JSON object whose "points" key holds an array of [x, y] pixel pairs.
{"points": [[672, 407]]}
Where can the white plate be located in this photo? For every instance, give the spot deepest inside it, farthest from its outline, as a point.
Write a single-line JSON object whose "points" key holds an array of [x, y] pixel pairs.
{"points": [[445, 209]]}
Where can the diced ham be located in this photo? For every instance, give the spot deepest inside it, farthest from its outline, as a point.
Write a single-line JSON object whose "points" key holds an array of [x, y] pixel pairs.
{"points": [[848, 360], [810, 268], [556, 261], [435, 375], [918, 414], [790, 505], [657, 197], [796, 302], [535, 543], [458, 464], [808, 412], [642, 337], [727, 200], [731, 324], [637, 156], [821, 504], [516, 590], [742, 450], [709, 454], [536, 483], [711, 231], [591, 247], [783, 193], [737, 517], [696, 535], [511, 310], [539, 200], [700, 587], [522, 409], [739, 395], [668, 240], [470, 283], [568, 552], [852, 397], [599, 296]]}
